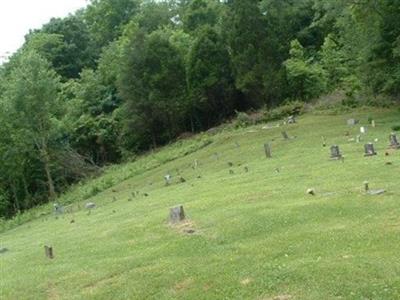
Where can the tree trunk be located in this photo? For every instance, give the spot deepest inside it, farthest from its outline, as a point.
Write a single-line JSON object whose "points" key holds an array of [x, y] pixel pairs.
{"points": [[46, 162]]}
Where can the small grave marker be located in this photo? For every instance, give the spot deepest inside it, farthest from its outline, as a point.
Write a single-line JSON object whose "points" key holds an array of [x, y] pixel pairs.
{"points": [[373, 123], [58, 209], [176, 214], [90, 205], [335, 152], [48, 251], [168, 179], [267, 149], [394, 143], [369, 150], [363, 130], [285, 135], [372, 192], [291, 120], [352, 122]]}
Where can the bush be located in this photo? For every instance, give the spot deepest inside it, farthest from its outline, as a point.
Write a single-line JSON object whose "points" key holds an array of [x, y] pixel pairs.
{"points": [[288, 109], [396, 127]]}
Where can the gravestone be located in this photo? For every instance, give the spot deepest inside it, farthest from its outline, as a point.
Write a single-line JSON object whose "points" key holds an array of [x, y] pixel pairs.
{"points": [[168, 179], [372, 192], [176, 214], [310, 192], [335, 152], [291, 120], [363, 130], [90, 205], [369, 150], [358, 138], [373, 124], [285, 135], [58, 209], [48, 251], [267, 149], [394, 143], [352, 122]]}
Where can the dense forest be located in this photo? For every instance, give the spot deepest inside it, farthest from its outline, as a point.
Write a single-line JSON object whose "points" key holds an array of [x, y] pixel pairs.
{"points": [[124, 76]]}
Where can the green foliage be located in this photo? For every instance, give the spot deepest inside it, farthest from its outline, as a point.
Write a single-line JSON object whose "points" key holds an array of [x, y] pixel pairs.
{"points": [[306, 79]]}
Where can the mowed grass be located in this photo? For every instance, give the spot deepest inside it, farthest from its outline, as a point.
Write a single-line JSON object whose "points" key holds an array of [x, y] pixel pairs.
{"points": [[258, 235]]}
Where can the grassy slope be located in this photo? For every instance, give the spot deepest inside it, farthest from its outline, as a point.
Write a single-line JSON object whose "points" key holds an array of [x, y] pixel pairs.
{"points": [[258, 235]]}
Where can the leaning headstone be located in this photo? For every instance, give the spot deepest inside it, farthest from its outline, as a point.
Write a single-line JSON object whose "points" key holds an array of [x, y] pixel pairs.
{"points": [[267, 149], [369, 150], [90, 205], [176, 214], [394, 143], [48, 251], [335, 152], [285, 135], [352, 122]]}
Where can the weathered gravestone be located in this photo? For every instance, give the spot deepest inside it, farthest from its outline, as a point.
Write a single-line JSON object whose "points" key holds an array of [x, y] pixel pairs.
{"points": [[58, 209], [335, 152], [48, 251], [267, 149], [369, 150], [90, 205], [394, 143], [363, 130], [372, 192], [352, 122], [291, 120], [168, 179], [285, 135], [176, 214]]}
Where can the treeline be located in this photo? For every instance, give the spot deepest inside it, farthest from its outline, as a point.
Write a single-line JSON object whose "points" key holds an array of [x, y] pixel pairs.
{"points": [[122, 76]]}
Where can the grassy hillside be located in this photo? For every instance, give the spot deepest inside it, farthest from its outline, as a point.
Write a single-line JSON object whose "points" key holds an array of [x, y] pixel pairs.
{"points": [[257, 234]]}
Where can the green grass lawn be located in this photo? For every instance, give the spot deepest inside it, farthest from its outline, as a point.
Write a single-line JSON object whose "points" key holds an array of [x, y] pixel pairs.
{"points": [[258, 235]]}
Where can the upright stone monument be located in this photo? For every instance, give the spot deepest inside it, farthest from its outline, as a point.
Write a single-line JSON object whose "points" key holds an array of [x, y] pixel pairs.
{"points": [[48, 251], [267, 149], [176, 214], [335, 152], [369, 150], [394, 143], [285, 135]]}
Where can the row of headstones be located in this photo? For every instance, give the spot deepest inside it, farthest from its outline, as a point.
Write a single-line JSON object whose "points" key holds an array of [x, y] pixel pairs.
{"points": [[369, 149]]}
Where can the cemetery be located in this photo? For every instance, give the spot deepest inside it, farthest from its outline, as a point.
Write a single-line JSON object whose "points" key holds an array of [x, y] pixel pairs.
{"points": [[243, 218]]}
